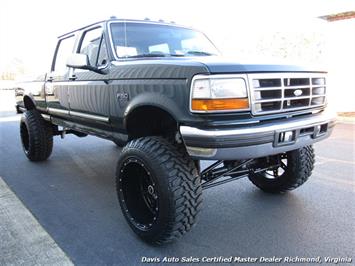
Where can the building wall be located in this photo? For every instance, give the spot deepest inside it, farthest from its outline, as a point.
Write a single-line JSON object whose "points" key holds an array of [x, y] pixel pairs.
{"points": [[340, 52]]}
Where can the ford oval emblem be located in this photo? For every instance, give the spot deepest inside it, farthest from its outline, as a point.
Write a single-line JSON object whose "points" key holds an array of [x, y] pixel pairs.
{"points": [[297, 92]]}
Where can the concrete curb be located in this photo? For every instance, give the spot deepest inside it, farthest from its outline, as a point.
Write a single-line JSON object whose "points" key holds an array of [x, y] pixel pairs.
{"points": [[23, 241]]}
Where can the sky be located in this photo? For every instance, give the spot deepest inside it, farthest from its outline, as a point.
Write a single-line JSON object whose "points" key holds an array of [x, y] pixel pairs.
{"points": [[28, 29]]}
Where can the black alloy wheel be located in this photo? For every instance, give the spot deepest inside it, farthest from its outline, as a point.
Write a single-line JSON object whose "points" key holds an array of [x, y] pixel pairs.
{"points": [[159, 189], [138, 193], [287, 171]]}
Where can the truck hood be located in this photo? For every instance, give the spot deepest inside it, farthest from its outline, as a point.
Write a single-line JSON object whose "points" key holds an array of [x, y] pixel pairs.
{"points": [[187, 67], [218, 64]]}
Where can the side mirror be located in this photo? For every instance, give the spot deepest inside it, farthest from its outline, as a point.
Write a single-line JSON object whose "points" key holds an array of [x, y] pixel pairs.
{"points": [[78, 61], [81, 61]]}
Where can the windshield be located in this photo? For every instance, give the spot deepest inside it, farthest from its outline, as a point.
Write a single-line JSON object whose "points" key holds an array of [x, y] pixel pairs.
{"points": [[132, 39]]}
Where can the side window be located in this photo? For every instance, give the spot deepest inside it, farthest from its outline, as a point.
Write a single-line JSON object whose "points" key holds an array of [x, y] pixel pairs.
{"points": [[90, 44], [103, 57], [64, 50]]}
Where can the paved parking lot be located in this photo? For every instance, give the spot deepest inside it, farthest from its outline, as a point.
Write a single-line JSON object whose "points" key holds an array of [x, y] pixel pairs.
{"points": [[73, 198]]}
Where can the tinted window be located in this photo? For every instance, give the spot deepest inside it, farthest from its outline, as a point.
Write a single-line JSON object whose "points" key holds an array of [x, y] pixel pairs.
{"points": [[65, 49], [103, 57], [90, 44]]}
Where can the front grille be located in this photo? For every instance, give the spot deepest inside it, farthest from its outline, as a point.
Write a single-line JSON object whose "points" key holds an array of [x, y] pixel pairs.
{"points": [[285, 92]]}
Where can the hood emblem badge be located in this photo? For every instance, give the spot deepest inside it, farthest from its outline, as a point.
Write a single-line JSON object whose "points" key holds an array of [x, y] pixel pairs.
{"points": [[297, 92]]}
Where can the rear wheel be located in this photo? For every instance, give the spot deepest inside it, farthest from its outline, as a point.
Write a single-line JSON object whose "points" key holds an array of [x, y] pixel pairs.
{"points": [[290, 171], [36, 136], [158, 188]]}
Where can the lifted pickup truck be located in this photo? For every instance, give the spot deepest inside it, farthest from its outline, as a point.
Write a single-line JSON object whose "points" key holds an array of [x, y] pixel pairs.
{"points": [[163, 92]]}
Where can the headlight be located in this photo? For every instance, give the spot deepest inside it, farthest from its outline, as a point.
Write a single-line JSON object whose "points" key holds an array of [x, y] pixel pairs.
{"points": [[219, 93]]}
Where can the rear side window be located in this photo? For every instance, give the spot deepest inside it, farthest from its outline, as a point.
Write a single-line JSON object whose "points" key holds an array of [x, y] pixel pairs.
{"points": [[64, 50]]}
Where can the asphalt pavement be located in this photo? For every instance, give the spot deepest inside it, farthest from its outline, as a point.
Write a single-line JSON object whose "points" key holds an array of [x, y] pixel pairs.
{"points": [[23, 239], [73, 198]]}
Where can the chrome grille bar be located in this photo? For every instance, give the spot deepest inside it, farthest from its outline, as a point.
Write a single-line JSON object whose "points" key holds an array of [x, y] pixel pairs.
{"points": [[285, 92]]}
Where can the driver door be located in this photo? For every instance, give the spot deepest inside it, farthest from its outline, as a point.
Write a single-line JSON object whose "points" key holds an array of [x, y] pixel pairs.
{"points": [[88, 90]]}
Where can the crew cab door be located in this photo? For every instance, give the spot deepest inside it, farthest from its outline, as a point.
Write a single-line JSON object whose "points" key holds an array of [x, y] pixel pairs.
{"points": [[56, 85], [88, 90]]}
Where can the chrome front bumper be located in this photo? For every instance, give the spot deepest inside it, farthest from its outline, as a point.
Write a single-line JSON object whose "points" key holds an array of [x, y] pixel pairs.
{"points": [[258, 140]]}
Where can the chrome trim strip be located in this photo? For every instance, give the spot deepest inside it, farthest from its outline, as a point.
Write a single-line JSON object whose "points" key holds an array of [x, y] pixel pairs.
{"points": [[289, 98], [56, 111], [323, 118], [247, 122], [22, 109], [92, 117], [220, 76]]}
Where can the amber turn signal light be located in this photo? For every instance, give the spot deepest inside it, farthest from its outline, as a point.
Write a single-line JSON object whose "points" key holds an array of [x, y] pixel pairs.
{"points": [[219, 104]]}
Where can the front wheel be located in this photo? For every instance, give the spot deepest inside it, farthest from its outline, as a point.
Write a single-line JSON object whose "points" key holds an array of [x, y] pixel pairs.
{"points": [[290, 171], [158, 188]]}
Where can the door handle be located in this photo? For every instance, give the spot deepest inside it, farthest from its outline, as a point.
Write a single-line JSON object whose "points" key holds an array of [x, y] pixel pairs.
{"points": [[49, 89], [72, 77]]}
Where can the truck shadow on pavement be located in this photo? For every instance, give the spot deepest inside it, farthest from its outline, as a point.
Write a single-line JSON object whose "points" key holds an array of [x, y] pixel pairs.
{"points": [[73, 197]]}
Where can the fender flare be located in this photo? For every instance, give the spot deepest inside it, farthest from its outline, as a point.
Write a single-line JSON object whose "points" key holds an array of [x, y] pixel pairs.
{"points": [[152, 99], [29, 102]]}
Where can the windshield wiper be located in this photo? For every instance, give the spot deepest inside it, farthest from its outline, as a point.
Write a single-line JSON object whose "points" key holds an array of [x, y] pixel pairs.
{"points": [[198, 53], [167, 55], [176, 55], [146, 55]]}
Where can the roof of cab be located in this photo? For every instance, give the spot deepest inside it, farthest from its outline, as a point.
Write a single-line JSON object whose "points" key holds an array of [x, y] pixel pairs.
{"points": [[162, 22]]}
